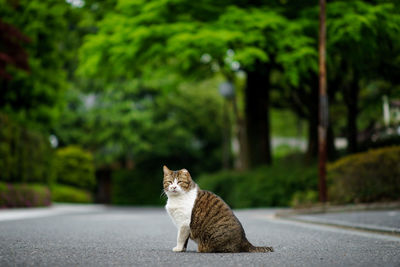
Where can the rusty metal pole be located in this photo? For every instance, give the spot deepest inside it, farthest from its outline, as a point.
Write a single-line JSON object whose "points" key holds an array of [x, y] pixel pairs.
{"points": [[323, 104]]}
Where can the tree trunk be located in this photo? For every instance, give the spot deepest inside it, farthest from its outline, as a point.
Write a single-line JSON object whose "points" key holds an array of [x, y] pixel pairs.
{"points": [[330, 143], [241, 136], [352, 113], [311, 102], [226, 138], [312, 146], [257, 116]]}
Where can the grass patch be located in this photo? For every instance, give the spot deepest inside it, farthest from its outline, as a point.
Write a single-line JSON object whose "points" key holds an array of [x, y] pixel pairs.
{"points": [[65, 193]]}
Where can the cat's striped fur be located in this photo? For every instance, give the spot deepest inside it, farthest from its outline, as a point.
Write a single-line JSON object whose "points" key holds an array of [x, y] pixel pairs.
{"points": [[204, 217]]}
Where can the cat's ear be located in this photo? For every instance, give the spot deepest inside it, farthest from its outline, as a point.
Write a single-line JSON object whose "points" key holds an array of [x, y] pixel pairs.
{"points": [[184, 171], [166, 170]]}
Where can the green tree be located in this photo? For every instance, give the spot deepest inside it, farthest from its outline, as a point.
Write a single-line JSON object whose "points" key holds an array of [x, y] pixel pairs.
{"points": [[142, 38], [11, 52], [34, 96], [361, 41], [127, 125]]}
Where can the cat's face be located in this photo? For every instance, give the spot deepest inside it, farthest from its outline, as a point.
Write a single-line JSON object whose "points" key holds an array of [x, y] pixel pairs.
{"points": [[177, 182]]}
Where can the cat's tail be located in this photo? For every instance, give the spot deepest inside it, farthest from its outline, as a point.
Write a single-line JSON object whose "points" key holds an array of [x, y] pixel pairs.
{"points": [[248, 247], [261, 249]]}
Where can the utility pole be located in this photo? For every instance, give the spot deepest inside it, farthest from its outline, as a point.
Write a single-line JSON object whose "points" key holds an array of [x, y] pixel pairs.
{"points": [[323, 104]]}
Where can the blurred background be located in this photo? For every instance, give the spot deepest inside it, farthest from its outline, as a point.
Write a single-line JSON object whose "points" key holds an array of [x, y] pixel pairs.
{"points": [[96, 96]]}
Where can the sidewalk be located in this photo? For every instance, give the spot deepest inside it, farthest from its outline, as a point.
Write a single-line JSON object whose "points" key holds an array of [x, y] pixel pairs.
{"points": [[359, 217], [55, 209]]}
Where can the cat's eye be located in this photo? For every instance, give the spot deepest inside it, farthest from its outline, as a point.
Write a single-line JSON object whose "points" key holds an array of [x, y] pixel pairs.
{"points": [[182, 182]]}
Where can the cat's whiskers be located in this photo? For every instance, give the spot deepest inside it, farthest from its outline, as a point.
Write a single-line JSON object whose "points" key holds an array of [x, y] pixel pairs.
{"points": [[163, 194]]}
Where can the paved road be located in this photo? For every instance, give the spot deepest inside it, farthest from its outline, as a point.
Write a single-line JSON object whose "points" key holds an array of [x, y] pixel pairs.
{"points": [[101, 236]]}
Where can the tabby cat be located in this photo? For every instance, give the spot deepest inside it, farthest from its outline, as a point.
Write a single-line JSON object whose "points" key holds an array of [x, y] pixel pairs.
{"points": [[203, 216]]}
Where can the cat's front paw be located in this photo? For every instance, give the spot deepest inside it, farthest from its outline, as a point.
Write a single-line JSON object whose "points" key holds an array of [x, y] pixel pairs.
{"points": [[178, 249]]}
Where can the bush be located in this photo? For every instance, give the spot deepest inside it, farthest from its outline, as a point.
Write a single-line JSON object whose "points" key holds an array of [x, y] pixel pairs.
{"points": [[265, 186], [25, 155], [366, 177], [75, 167], [304, 198], [24, 195], [137, 187], [65, 193]]}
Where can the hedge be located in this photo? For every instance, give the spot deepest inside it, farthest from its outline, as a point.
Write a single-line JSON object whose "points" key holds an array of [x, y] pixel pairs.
{"points": [[266, 186], [366, 177], [24, 195], [75, 167], [25, 155], [137, 187], [65, 193]]}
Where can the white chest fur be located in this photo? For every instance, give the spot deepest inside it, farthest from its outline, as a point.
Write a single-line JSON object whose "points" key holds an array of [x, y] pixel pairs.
{"points": [[180, 207]]}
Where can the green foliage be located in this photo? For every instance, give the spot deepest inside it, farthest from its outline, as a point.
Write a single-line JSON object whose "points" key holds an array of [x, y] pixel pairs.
{"points": [[192, 120], [138, 101], [75, 167], [25, 155], [266, 186], [110, 126], [65, 193], [362, 41], [13, 53], [284, 150], [304, 198], [24, 195], [137, 187], [131, 123], [285, 123], [35, 97], [146, 37], [145, 40], [366, 177]]}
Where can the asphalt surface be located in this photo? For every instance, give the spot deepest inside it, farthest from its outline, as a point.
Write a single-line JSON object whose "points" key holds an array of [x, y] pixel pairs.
{"points": [[101, 236]]}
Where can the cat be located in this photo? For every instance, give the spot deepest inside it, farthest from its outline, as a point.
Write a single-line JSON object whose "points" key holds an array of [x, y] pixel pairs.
{"points": [[203, 216]]}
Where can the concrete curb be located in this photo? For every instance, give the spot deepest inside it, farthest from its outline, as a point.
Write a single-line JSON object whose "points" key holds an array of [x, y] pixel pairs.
{"points": [[300, 215], [327, 208], [348, 225]]}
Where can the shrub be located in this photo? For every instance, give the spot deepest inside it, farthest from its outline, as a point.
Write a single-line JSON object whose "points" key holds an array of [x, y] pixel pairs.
{"points": [[366, 177], [24, 195], [75, 167], [265, 186], [137, 187], [65, 193], [304, 198], [25, 155]]}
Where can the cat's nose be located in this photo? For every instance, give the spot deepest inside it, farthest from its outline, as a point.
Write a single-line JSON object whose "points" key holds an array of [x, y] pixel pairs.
{"points": [[173, 187]]}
